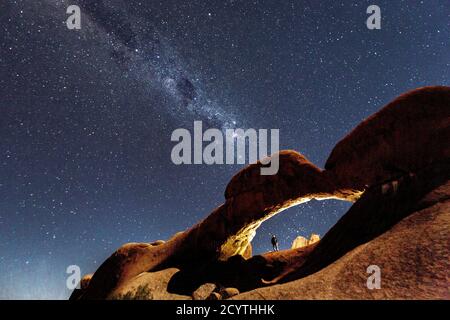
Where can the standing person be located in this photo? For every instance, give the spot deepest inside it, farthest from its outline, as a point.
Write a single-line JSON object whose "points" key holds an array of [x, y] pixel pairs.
{"points": [[274, 243]]}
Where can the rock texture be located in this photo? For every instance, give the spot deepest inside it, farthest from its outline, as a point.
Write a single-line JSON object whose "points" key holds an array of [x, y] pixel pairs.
{"points": [[204, 291], [214, 296], [148, 286], [313, 238], [412, 266], [408, 136], [301, 242], [229, 292], [84, 283]]}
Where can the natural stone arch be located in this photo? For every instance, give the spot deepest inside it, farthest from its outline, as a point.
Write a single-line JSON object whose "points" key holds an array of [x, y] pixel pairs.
{"points": [[374, 152], [252, 198]]}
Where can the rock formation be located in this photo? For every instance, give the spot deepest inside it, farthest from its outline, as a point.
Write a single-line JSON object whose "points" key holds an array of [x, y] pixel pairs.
{"points": [[407, 137], [204, 291], [408, 134], [405, 232], [301, 242], [313, 238], [148, 286]]}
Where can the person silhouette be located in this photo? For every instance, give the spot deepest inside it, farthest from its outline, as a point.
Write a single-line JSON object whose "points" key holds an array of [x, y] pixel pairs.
{"points": [[274, 243]]}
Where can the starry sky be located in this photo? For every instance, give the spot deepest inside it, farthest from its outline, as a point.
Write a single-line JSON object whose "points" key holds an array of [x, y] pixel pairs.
{"points": [[86, 115]]}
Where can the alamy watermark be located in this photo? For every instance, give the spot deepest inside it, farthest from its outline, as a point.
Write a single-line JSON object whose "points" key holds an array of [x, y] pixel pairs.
{"points": [[229, 149], [374, 280], [374, 20], [74, 278], [74, 20]]}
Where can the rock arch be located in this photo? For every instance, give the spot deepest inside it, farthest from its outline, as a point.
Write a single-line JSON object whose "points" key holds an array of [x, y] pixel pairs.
{"points": [[409, 133]]}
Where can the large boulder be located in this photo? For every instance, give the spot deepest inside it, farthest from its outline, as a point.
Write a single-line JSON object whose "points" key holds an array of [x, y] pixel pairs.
{"points": [[204, 291], [148, 286], [408, 134], [301, 242], [313, 238], [227, 293]]}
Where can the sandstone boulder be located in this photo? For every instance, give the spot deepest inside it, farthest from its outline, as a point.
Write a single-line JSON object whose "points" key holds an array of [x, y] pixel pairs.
{"points": [[408, 134], [204, 291], [301, 242], [214, 296], [227, 293], [148, 286]]}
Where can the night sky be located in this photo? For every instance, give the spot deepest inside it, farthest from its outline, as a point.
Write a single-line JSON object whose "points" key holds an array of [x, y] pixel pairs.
{"points": [[86, 115]]}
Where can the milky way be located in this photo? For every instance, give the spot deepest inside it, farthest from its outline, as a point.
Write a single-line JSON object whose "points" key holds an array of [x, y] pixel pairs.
{"points": [[146, 55]]}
